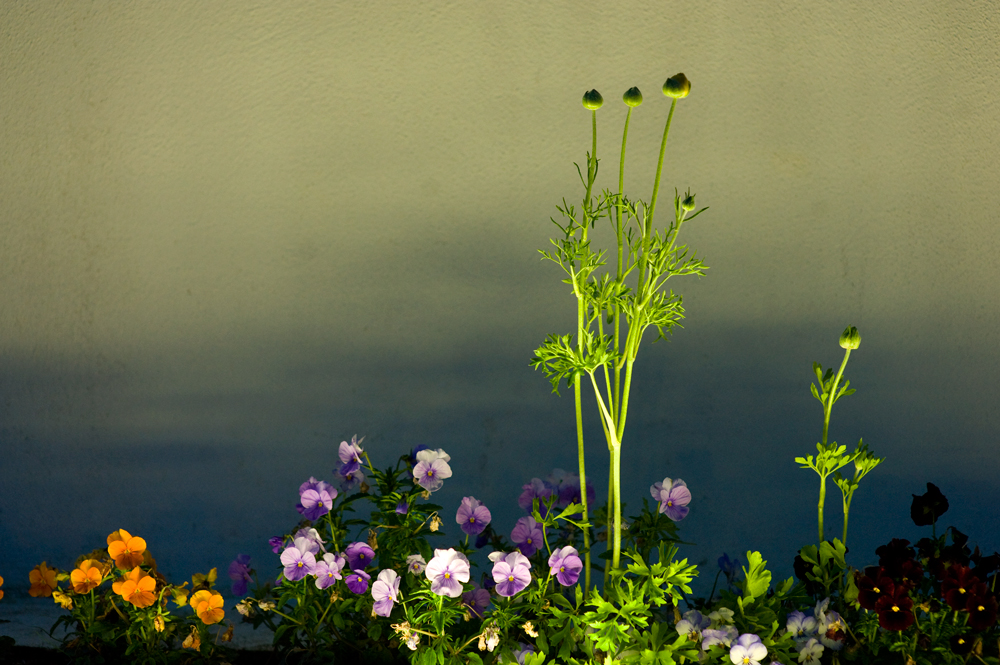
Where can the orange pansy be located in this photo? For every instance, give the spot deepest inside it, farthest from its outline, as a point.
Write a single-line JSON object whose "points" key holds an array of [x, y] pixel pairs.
{"points": [[1, 584], [125, 549], [208, 606], [43, 581], [87, 576], [137, 588]]}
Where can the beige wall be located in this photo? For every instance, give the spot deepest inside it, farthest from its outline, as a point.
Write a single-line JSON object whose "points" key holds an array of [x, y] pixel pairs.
{"points": [[201, 198]]}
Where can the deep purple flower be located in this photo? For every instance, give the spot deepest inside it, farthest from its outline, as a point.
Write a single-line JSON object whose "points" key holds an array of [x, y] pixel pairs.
{"points": [[527, 535], [447, 571], [511, 572], [566, 565], [472, 516], [568, 488], [385, 590], [350, 455], [239, 573], [477, 600], [673, 496], [327, 570], [359, 555], [432, 469], [357, 581], [314, 504], [277, 543], [297, 563], [350, 479], [748, 650], [536, 489], [402, 508], [416, 449]]}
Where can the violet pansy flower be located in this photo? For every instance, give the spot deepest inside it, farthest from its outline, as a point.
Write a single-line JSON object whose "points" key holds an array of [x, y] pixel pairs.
{"points": [[359, 555], [277, 543], [447, 571], [316, 543], [472, 516], [565, 565], [313, 504], [432, 469], [297, 563], [357, 581], [327, 570], [536, 489], [350, 455], [415, 564], [385, 590], [511, 572], [239, 573], [673, 496], [350, 479], [527, 535], [476, 600]]}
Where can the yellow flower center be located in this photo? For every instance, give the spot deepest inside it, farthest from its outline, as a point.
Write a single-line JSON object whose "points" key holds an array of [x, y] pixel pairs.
{"points": [[472, 520], [300, 564], [447, 576], [980, 608], [562, 569], [961, 640], [670, 503], [895, 608], [510, 578], [876, 589], [961, 590], [430, 473], [528, 541], [746, 659]]}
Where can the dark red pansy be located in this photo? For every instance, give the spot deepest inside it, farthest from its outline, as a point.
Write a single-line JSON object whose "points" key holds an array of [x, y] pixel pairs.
{"points": [[958, 585], [928, 507], [895, 610], [982, 611], [870, 589], [960, 644]]}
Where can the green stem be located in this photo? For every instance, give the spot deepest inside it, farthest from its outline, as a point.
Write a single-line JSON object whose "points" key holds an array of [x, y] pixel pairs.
{"points": [[616, 457], [822, 501], [659, 166], [831, 396]]}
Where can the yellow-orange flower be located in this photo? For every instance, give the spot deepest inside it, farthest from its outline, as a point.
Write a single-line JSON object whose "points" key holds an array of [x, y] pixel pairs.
{"points": [[43, 581], [62, 599], [193, 640], [87, 576], [125, 549], [208, 606], [137, 588]]}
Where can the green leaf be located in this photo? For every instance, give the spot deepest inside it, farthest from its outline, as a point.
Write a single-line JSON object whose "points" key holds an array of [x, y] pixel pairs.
{"points": [[758, 578]]}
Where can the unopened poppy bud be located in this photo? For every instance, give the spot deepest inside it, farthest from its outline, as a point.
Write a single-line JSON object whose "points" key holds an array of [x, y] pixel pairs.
{"points": [[632, 97], [850, 339], [688, 203], [592, 100], [677, 86]]}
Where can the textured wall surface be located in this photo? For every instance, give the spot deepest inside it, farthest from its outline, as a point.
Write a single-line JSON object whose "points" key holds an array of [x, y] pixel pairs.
{"points": [[233, 234]]}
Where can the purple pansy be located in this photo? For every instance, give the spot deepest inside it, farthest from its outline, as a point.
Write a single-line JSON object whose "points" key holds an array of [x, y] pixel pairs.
{"points": [[748, 650], [511, 572], [527, 535], [350, 479], [385, 591], [432, 469], [673, 496], [313, 504], [568, 488], [350, 455], [721, 636], [297, 563], [327, 570], [402, 508], [359, 555], [447, 571], [472, 516], [239, 573], [315, 542], [477, 600], [277, 543], [536, 489], [357, 581], [565, 565], [318, 485]]}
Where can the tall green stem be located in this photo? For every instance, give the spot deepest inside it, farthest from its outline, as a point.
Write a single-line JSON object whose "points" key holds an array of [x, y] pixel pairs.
{"points": [[827, 410]]}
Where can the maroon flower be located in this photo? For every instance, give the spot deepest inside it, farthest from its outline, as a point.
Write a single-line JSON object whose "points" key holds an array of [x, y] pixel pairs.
{"points": [[958, 585], [928, 507], [895, 610], [893, 555], [872, 587], [960, 644], [982, 611]]}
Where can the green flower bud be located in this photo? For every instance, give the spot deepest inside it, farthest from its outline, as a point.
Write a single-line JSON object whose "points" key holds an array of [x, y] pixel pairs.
{"points": [[677, 86], [632, 97], [688, 203], [592, 100], [850, 339]]}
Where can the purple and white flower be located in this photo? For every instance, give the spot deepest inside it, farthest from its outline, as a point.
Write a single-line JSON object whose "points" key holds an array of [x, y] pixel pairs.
{"points": [[385, 591], [359, 555], [315, 542], [432, 469], [673, 496], [511, 572], [565, 565], [527, 535], [748, 650], [723, 636], [415, 564], [350, 455], [313, 504], [810, 652], [327, 569], [447, 571], [472, 516], [297, 563]]}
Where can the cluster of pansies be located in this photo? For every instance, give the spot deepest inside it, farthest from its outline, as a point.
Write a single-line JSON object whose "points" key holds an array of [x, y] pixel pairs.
{"points": [[131, 617], [717, 630]]}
